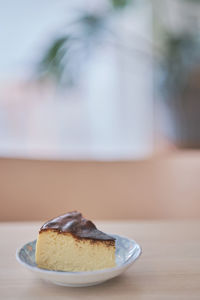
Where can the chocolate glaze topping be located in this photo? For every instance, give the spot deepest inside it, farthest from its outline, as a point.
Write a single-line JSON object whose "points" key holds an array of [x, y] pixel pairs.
{"points": [[74, 223]]}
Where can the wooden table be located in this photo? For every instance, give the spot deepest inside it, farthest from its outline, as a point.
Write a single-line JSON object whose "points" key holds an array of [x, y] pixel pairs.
{"points": [[169, 267]]}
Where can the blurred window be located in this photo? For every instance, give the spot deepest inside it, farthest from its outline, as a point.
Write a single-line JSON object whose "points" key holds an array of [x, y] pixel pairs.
{"points": [[108, 115]]}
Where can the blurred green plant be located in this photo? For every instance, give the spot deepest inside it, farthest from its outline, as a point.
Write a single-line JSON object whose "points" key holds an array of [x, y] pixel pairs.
{"points": [[179, 50], [178, 72], [181, 57], [120, 3], [64, 58]]}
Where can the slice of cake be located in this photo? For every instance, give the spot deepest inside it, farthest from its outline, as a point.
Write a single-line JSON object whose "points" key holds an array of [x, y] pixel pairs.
{"points": [[72, 243]]}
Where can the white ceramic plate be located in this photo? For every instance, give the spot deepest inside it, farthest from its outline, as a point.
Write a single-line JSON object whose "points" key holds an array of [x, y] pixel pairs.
{"points": [[127, 251]]}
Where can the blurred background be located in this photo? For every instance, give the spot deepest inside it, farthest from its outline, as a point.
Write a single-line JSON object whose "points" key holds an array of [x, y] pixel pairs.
{"points": [[100, 109]]}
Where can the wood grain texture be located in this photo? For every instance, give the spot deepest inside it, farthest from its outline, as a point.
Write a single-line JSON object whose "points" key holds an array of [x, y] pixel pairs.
{"points": [[169, 267]]}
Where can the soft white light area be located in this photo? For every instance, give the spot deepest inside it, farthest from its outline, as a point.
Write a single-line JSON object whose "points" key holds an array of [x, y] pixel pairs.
{"points": [[110, 115]]}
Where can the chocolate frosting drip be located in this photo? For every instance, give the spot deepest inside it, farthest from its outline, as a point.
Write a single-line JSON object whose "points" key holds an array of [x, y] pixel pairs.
{"points": [[74, 223]]}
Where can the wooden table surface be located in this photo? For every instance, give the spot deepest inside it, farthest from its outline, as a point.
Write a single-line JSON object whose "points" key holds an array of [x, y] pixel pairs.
{"points": [[169, 267]]}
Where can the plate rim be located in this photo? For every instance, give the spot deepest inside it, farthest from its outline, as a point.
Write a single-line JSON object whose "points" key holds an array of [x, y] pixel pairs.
{"points": [[131, 259]]}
